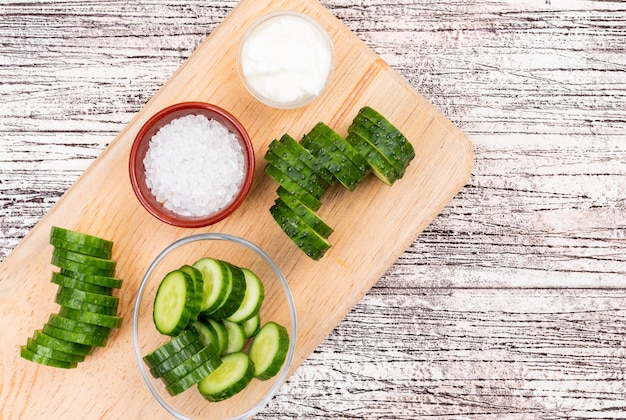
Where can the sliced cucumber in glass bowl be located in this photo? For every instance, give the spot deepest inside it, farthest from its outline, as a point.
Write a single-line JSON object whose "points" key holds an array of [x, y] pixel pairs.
{"points": [[203, 368]]}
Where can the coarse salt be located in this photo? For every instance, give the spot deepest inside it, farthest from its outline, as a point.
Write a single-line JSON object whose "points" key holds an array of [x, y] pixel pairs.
{"points": [[194, 166]]}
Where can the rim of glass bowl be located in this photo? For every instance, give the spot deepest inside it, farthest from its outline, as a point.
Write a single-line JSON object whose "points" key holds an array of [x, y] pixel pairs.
{"points": [[292, 311], [317, 25]]}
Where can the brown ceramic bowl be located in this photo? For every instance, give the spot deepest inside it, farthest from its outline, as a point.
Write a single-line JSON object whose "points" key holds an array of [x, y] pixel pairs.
{"points": [[140, 148]]}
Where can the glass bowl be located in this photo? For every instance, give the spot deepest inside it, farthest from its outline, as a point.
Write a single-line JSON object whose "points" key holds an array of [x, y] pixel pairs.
{"points": [[141, 145], [286, 59], [278, 306]]}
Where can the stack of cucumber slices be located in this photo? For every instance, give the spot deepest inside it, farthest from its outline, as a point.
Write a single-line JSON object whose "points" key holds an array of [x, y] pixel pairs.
{"points": [[211, 310], [305, 170], [88, 312]]}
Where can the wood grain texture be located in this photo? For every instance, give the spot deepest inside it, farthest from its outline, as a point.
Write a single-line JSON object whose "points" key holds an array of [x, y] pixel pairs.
{"points": [[510, 305]]}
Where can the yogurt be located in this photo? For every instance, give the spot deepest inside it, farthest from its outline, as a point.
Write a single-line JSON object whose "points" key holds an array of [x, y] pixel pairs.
{"points": [[286, 59]]}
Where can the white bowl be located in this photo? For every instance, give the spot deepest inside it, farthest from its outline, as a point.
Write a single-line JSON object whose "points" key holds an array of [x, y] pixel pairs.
{"points": [[272, 69]]}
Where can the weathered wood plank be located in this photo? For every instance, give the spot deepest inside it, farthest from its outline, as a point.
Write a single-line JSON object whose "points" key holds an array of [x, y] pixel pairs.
{"points": [[409, 351]]}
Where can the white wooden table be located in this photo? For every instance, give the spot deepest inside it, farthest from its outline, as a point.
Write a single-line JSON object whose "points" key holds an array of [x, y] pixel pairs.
{"points": [[511, 305]]}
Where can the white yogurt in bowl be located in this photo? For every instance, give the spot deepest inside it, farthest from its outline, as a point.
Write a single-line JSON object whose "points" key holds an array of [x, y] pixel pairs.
{"points": [[286, 59]]}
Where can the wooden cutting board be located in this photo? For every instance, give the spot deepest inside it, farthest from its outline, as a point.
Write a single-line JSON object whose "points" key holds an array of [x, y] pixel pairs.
{"points": [[373, 225]]}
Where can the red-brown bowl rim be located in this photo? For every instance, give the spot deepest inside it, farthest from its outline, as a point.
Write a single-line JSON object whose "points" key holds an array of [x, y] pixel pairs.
{"points": [[140, 146]]}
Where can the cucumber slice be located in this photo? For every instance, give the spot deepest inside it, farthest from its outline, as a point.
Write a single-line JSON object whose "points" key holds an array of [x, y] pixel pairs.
{"points": [[63, 299], [302, 175], [215, 286], [69, 265], [236, 337], [307, 215], [296, 149], [386, 138], [234, 295], [387, 145], [252, 299], [381, 166], [292, 187], [206, 332], [174, 303], [251, 325], [205, 355], [220, 332], [280, 151], [322, 147], [45, 360], [74, 337], [60, 344], [91, 298], [110, 321], [172, 346], [305, 237], [336, 142], [77, 326], [65, 281], [194, 376], [345, 172], [103, 264], [38, 348], [105, 281], [80, 239], [268, 350], [198, 282], [386, 126], [232, 376], [82, 248], [176, 359]]}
